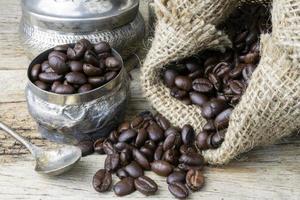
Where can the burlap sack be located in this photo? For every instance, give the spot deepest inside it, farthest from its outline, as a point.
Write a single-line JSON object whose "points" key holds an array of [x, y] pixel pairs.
{"points": [[270, 107]]}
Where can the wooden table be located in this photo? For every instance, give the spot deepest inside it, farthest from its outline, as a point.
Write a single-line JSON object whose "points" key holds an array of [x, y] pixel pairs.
{"points": [[271, 172]]}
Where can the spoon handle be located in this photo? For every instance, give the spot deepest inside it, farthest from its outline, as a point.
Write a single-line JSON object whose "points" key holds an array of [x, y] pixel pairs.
{"points": [[32, 148]]}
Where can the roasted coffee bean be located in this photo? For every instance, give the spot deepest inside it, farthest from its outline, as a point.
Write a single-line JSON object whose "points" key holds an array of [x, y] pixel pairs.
{"points": [[86, 147], [62, 48], [137, 122], [247, 72], [108, 147], [198, 98], [141, 159], [241, 37], [57, 61], [222, 119], [162, 121], [185, 149], [113, 63], [237, 87], [64, 89], [123, 127], [250, 58], [91, 70], [102, 47], [79, 49], [195, 74], [202, 85], [235, 99], [201, 140], [41, 85], [35, 71], [134, 170], [172, 130], [161, 167], [193, 159], [75, 66], [171, 156], [124, 187], [169, 77], [97, 81], [98, 146], [209, 126], [221, 69], [113, 136], [110, 75], [169, 142], [145, 185], [187, 134], [187, 101], [112, 162], [125, 156], [218, 138], [120, 146], [141, 137], [185, 167], [76, 78], [213, 108], [127, 136], [177, 93], [148, 153], [216, 81], [91, 58], [237, 71], [251, 37], [183, 83], [50, 77], [150, 144], [155, 132], [102, 180], [194, 179], [45, 65], [211, 61], [158, 154], [121, 173], [85, 88], [178, 190], [208, 141], [176, 176], [192, 65]]}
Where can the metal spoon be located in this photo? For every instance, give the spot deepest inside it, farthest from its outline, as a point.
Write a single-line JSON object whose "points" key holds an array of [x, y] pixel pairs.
{"points": [[50, 162]]}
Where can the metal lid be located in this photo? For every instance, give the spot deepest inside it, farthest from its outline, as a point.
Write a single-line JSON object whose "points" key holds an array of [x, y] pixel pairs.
{"points": [[79, 15]]}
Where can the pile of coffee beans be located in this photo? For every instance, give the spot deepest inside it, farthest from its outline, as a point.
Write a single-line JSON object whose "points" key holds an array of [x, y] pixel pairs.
{"points": [[216, 81], [149, 143], [76, 70]]}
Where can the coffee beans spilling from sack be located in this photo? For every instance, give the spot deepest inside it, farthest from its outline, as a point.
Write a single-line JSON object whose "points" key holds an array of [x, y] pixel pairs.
{"points": [[76, 70], [216, 81], [150, 143]]}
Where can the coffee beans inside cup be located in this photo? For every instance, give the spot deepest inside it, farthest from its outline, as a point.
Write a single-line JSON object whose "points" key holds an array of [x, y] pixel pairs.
{"points": [[216, 81], [78, 69], [150, 143]]}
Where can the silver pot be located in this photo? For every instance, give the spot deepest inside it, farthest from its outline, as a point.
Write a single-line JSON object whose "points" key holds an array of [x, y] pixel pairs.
{"points": [[71, 118], [47, 23]]}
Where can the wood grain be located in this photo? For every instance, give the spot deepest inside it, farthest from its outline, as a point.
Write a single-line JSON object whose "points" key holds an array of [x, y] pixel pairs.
{"points": [[270, 172]]}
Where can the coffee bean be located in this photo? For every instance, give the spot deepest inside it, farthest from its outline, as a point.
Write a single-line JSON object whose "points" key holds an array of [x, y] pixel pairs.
{"points": [[141, 137], [97, 81], [192, 65], [35, 71], [124, 187], [113, 136], [221, 69], [162, 121], [102, 181], [57, 61], [45, 65], [76, 78], [194, 179], [215, 80], [113, 64], [91, 58], [222, 120], [202, 85], [147, 152], [127, 136], [251, 37], [145, 185], [134, 170], [209, 126], [125, 156], [237, 71], [150, 144], [102, 47], [171, 156], [62, 48], [85, 88], [213, 108], [176, 176], [187, 134], [241, 37], [158, 154], [183, 82], [193, 159], [108, 147], [98, 146], [201, 140], [91, 70], [123, 127], [50, 77], [110, 75], [140, 159], [187, 149], [41, 85], [236, 86], [136, 122], [169, 77], [179, 190], [155, 132], [247, 72], [112, 162], [64, 89], [186, 167], [172, 130], [86, 146], [177, 93], [161, 167], [75, 66], [121, 173], [218, 138], [198, 98], [169, 142]]}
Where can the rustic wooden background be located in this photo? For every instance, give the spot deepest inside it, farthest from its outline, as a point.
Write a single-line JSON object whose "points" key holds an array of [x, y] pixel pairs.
{"points": [[270, 172]]}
